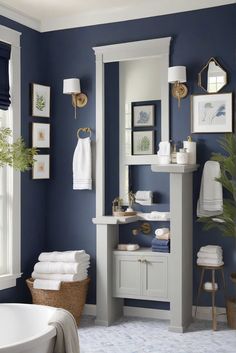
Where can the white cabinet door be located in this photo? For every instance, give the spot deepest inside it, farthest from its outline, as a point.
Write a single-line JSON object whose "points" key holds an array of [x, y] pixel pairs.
{"points": [[127, 279], [154, 275]]}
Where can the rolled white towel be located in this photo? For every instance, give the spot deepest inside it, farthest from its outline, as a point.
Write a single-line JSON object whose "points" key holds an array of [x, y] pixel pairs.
{"points": [[57, 267], [165, 236], [161, 231], [209, 286], [61, 277], [208, 255], [47, 284], [63, 256], [209, 262]]}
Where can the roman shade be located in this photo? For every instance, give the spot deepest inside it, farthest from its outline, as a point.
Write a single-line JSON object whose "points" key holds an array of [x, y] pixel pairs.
{"points": [[5, 52]]}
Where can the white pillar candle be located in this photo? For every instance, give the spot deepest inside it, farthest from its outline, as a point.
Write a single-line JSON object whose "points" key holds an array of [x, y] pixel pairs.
{"points": [[191, 148]]}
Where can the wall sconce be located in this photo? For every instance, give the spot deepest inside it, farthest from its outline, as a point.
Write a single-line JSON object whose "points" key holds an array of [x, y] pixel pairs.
{"points": [[176, 76], [72, 86]]}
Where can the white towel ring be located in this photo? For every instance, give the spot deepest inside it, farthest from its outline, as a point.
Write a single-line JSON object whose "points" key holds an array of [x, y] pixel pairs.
{"points": [[84, 129]]}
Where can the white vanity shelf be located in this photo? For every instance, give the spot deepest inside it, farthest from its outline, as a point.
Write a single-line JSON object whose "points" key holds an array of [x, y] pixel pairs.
{"points": [[177, 271], [141, 274], [140, 216]]}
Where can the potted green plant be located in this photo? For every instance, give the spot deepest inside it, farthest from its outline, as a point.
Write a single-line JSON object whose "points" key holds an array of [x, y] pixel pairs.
{"points": [[15, 154], [226, 221]]}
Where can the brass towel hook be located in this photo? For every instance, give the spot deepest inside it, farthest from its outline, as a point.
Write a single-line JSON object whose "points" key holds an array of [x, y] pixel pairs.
{"points": [[84, 129]]}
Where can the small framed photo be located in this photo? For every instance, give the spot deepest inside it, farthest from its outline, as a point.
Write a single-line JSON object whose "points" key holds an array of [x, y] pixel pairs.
{"points": [[41, 135], [211, 113], [143, 115], [143, 142], [41, 100], [41, 167]]}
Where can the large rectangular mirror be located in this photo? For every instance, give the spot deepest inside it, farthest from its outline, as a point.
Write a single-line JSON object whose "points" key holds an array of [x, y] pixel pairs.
{"points": [[138, 76]]}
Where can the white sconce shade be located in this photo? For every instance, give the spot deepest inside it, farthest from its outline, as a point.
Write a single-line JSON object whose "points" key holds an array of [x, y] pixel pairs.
{"points": [[177, 74], [71, 86], [177, 77]]}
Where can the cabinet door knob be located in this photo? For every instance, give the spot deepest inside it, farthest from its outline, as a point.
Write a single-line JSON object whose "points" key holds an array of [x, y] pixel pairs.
{"points": [[139, 260]]}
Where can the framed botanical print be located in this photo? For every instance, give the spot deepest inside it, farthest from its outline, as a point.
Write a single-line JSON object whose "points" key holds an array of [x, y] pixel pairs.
{"points": [[211, 113], [143, 142], [143, 115], [41, 167], [41, 135], [41, 100]]}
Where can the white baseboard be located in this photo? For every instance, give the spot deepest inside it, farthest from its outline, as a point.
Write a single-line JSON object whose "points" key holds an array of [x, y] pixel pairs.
{"points": [[89, 309], [203, 312]]}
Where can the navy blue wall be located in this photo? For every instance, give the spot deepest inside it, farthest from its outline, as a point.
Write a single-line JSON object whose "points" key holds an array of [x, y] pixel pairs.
{"points": [[33, 193], [196, 37]]}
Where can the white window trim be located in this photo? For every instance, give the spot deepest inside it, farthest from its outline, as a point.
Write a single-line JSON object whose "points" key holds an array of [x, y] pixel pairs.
{"points": [[12, 37]]}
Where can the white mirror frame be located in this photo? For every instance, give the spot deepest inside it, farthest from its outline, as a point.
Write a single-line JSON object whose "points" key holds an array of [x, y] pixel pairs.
{"points": [[122, 52]]}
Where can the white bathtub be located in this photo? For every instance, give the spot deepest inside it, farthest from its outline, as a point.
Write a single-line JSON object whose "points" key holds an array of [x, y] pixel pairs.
{"points": [[24, 328]]}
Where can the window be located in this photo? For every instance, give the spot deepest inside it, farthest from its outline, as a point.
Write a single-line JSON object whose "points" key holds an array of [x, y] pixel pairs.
{"points": [[10, 179]]}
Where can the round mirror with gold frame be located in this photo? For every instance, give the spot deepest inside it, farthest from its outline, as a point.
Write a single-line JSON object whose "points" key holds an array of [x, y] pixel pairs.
{"points": [[212, 78]]}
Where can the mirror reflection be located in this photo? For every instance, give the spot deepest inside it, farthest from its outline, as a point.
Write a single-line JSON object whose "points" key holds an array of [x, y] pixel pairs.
{"points": [[212, 78]]}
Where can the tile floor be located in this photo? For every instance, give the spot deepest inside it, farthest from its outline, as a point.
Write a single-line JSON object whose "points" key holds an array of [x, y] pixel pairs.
{"points": [[135, 335]]}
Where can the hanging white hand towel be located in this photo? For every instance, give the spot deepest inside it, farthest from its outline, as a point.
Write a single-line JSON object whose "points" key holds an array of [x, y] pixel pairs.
{"points": [[82, 165], [210, 201]]}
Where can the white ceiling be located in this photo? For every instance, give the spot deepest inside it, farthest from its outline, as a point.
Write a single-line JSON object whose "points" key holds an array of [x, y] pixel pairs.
{"points": [[47, 15]]}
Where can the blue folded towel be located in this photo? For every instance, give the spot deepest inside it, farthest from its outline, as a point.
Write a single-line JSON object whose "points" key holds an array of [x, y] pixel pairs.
{"points": [[160, 242], [161, 250]]}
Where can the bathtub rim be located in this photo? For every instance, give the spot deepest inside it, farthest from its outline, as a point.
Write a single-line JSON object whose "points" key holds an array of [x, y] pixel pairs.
{"points": [[29, 342]]}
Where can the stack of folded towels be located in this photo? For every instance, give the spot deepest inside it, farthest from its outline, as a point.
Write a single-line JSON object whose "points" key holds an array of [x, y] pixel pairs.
{"points": [[161, 243], [56, 267], [210, 255], [144, 197]]}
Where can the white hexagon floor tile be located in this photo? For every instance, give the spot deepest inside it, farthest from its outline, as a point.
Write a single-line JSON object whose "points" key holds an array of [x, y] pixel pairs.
{"points": [[135, 335]]}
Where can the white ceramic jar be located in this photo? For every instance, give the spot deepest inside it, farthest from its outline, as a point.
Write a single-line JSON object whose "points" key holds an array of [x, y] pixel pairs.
{"points": [[182, 156]]}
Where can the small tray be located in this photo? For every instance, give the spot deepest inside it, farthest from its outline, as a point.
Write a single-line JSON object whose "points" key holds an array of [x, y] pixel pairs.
{"points": [[124, 214]]}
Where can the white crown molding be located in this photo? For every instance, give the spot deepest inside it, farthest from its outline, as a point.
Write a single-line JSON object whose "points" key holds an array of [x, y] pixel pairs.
{"points": [[103, 16], [20, 17], [128, 12]]}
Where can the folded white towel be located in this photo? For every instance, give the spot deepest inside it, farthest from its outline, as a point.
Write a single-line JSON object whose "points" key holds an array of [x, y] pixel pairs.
{"points": [[58, 267], [158, 215], [143, 195], [144, 202], [63, 256], [210, 201], [82, 165], [47, 284], [212, 249], [128, 247], [209, 262], [165, 236], [66, 340], [208, 255], [161, 231], [61, 277], [164, 148]]}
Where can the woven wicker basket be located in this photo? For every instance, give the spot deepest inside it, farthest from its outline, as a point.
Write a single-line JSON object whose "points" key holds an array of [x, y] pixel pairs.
{"points": [[71, 296]]}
